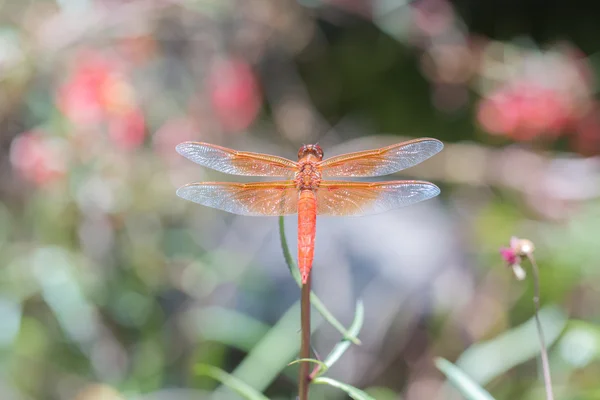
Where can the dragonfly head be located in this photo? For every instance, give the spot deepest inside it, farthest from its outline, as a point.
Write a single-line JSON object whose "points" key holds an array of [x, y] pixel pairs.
{"points": [[313, 149]]}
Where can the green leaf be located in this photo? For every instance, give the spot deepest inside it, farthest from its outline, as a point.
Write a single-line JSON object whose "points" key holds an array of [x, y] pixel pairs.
{"points": [[353, 392], [314, 300], [487, 360], [461, 381], [230, 381], [579, 346], [382, 393], [342, 346], [321, 364], [228, 327]]}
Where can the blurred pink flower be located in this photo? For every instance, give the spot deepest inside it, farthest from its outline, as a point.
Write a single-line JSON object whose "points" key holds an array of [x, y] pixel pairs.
{"points": [[523, 111], [98, 91], [38, 158], [509, 255], [513, 255], [529, 94], [513, 261], [234, 93], [81, 98], [127, 131]]}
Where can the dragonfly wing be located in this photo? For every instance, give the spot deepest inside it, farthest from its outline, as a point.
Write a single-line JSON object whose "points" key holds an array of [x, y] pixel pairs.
{"points": [[384, 161], [256, 199], [236, 162], [339, 198]]}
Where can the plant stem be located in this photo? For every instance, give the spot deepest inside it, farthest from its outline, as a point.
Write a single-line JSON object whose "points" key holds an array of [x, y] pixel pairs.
{"points": [[303, 379], [544, 351]]}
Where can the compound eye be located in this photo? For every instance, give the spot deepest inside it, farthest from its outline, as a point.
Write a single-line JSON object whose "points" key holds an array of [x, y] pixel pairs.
{"points": [[319, 151], [302, 151]]}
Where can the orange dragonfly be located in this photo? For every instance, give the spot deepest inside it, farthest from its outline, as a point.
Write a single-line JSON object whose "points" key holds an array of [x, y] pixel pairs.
{"points": [[305, 192]]}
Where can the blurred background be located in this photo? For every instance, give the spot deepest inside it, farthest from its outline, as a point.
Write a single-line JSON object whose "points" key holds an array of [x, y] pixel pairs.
{"points": [[114, 288]]}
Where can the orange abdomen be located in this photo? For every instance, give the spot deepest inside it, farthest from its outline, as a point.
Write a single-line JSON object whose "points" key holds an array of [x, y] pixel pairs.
{"points": [[307, 223]]}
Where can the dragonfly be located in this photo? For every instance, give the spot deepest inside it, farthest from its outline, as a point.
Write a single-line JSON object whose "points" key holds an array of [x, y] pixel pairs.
{"points": [[305, 191]]}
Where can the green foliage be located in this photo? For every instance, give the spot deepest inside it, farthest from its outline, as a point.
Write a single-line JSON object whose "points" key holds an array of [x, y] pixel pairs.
{"points": [[516, 346], [343, 345], [353, 392], [322, 366], [467, 386], [230, 381], [261, 370]]}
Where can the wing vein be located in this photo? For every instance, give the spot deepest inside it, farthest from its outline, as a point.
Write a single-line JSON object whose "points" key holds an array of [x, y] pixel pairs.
{"points": [[254, 199], [383, 161], [338, 198], [235, 162]]}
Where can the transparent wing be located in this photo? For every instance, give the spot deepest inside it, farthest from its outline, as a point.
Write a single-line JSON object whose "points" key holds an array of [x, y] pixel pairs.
{"points": [[384, 161], [236, 162], [257, 199], [338, 198]]}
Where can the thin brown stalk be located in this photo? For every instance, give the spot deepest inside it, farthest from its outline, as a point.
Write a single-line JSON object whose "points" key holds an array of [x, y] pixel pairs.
{"points": [[303, 379], [544, 351]]}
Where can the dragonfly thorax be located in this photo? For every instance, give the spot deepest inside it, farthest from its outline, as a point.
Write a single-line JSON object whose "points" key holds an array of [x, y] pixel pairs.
{"points": [[308, 176]]}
